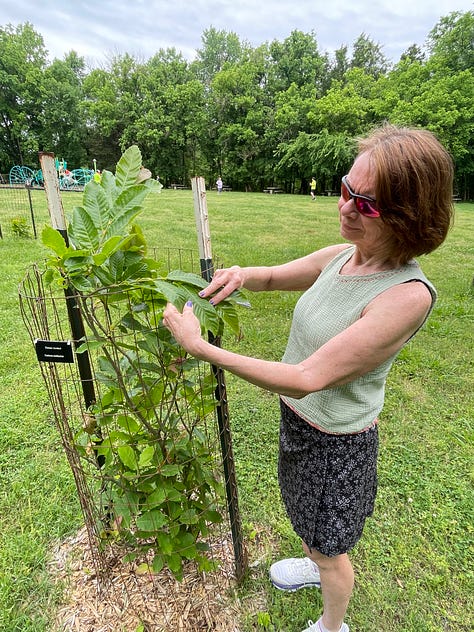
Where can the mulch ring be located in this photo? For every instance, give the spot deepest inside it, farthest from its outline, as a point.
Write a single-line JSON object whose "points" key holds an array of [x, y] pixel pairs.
{"points": [[134, 601]]}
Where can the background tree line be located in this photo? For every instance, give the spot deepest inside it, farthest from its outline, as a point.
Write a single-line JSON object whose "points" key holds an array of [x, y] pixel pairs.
{"points": [[277, 113]]}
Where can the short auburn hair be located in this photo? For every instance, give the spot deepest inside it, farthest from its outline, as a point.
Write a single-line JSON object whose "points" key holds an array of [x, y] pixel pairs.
{"points": [[413, 186]]}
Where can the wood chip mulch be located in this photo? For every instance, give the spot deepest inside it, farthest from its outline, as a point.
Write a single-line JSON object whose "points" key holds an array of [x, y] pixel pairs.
{"points": [[130, 600]]}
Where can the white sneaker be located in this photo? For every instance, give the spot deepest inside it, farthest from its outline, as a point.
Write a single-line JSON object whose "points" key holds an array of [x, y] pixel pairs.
{"points": [[295, 573], [315, 627]]}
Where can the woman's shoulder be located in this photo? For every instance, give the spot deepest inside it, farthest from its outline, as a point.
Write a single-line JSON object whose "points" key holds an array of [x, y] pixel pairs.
{"points": [[329, 253]]}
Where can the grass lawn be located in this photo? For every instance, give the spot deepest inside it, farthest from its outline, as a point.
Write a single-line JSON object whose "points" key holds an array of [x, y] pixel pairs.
{"points": [[414, 565]]}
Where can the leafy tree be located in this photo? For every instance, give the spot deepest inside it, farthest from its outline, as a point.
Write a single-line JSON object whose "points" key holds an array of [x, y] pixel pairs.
{"points": [[169, 120], [339, 65], [326, 156], [297, 61], [346, 107], [368, 56], [451, 42], [62, 127], [219, 48], [111, 99], [237, 120], [413, 53], [22, 62]]}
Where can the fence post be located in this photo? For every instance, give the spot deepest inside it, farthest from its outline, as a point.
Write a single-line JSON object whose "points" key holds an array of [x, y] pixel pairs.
{"points": [[207, 271], [58, 221]]}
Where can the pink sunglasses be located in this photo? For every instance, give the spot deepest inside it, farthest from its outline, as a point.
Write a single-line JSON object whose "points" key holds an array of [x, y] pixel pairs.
{"points": [[364, 204]]}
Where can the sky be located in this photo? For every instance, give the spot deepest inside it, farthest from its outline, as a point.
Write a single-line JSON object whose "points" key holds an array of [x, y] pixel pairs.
{"points": [[100, 30]]}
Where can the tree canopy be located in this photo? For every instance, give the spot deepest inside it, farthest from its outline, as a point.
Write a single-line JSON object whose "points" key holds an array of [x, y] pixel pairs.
{"points": [[278, 113]]}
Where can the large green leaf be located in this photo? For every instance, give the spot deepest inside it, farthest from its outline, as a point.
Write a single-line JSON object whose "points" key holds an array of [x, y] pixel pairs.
{"points": [[109, 247], [187, 277], [120, 223], [206, 314], [107, 184], [128, 167], [53, 239], [97, 206], [172, 293], [82, 230]]}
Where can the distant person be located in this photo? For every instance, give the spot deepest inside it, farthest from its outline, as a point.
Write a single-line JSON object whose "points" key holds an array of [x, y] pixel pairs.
{"points": [[219, 184], [97, 177], [363, 301], [312, 188]]}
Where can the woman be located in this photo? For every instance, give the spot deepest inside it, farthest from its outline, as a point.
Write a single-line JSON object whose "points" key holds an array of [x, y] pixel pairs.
{"points": [[363, 301]]}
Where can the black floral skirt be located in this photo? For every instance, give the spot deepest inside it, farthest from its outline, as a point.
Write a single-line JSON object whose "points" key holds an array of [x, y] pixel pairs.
{"points": [[328, 482]]}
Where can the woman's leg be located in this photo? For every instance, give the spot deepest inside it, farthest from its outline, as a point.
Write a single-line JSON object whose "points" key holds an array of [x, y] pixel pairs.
{"points": [[337, 582]]}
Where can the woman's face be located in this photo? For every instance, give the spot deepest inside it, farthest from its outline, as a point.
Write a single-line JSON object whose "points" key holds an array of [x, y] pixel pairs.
{"points": [[367, 232]]}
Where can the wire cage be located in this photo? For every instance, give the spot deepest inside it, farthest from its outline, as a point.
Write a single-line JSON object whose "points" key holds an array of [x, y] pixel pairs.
{"points": [[154, 474]]}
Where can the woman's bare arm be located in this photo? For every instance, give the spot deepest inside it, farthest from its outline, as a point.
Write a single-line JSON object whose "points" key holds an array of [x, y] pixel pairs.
{"points": [[385, 326], [295, 275]]}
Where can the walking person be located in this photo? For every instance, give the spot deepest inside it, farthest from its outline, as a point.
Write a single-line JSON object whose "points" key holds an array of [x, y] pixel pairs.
{"points": [[312, 188], [363, 301], [219, 184]]}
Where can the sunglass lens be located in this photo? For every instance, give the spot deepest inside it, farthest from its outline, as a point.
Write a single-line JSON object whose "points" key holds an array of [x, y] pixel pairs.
{"points": [[365, 208], [345, 192]]}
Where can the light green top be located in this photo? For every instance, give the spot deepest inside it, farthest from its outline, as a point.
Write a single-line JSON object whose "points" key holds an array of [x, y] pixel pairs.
{"points": [[328, 307]]}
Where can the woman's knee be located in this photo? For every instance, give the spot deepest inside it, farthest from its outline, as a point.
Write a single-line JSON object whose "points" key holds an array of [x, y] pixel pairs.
{"points": [[324, 561]]}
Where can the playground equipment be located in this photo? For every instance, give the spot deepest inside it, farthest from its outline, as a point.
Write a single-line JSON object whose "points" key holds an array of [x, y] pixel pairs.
{"points": [[21, 175], [74, 180]]}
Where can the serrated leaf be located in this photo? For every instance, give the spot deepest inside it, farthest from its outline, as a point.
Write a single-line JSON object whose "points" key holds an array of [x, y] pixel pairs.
{"points": [[158, 563], [188, 516], [228, 313], [187, 277], [165, 543], [109, 247], [146, 456], [175, 565], [107, 184], [128, 167], [82, 230], [206, 314], [97, 206], [121, 222], [172, 293]]}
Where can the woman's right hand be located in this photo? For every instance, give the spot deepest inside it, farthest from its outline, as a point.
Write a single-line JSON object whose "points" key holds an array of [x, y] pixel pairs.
{"points": [[224, 282]]}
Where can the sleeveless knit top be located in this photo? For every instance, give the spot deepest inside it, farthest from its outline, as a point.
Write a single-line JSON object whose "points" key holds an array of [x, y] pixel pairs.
{"points": [[329, 306]]}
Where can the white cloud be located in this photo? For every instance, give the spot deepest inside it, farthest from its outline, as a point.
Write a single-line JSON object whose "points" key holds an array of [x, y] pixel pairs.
{"points": [[98, 29]]}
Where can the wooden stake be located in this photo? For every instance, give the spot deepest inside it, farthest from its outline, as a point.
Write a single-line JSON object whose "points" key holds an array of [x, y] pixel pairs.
{"points": [[58, 221], [207, 271]]}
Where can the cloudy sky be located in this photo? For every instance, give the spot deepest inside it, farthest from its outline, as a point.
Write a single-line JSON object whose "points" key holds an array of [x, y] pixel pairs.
{"points": [[99, 29]]}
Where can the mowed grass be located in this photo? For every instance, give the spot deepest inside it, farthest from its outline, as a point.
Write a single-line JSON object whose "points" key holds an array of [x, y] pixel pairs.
{"points": [[414, 565]]}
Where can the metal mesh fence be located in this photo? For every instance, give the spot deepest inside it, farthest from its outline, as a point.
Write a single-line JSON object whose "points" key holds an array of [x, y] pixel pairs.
{"points": [[143, 436], [22, 211]]}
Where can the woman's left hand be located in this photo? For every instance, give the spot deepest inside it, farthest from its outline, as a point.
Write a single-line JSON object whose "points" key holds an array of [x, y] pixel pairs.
{"points": [[184, 326]]}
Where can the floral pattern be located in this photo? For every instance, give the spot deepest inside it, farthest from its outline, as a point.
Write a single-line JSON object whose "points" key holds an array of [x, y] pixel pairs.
{"points": [[328, 482]]}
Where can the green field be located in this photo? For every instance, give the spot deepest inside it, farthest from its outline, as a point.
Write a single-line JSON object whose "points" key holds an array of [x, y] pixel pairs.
{"points": [[414, 565]]}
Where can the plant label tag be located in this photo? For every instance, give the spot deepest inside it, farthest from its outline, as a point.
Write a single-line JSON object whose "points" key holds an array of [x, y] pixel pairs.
{"points": [[54, 350]]}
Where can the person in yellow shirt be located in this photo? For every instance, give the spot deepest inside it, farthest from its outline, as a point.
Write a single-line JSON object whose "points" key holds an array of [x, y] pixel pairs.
{"points": [[312, 187]]}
